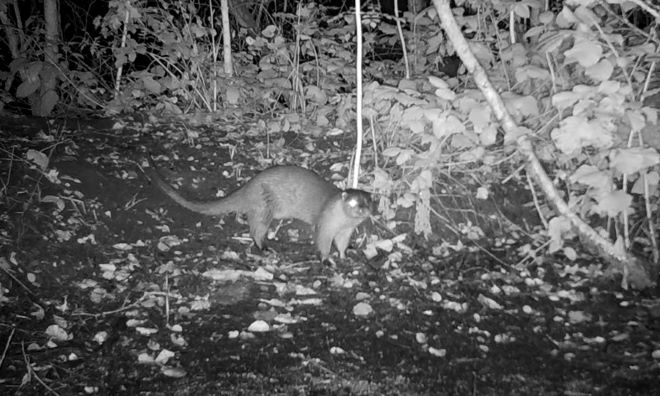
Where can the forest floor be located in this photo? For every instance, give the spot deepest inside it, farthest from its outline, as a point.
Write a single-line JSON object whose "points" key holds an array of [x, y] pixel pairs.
{"points": [[108, 287]]}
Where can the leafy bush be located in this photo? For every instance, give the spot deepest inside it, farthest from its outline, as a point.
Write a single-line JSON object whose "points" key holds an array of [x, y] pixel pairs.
{"points": [[575, 84]]}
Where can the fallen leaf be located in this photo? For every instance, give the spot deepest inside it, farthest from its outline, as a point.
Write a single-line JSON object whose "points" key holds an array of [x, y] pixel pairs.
{"points": [[259, 326], [362, 309]]}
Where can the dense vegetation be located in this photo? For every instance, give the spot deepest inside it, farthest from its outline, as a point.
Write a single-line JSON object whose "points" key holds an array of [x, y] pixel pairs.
{"points": [[451, 177]]}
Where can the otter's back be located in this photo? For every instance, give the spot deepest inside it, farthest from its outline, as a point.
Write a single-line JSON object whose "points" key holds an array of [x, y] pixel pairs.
{"points": [[291, 192]]}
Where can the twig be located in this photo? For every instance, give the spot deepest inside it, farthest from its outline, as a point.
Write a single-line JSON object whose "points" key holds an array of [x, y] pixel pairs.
{"points": [[5, 184], [536, 202], [532, 254], [167, 300], [133, 201], [33, 373], [4, 352], [15, 279], [484, 250], [373, 139], [402, 39], [124, 308]]}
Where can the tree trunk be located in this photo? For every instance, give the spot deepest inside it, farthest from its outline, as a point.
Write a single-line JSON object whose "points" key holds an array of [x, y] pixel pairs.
{"points": [[47, 94]]}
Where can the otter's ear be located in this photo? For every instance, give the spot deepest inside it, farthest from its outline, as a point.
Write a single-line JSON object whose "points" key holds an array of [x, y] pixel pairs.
{"points": [[344, 194]]}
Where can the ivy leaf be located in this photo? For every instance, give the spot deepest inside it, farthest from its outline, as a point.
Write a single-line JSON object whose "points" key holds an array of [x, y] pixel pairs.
{"points": [[601, 71], [530, 72], [406, 201], [269, 31], [232, 95], [402, 155], [559, 228], [521, 106], [27, 88], [413, 118], [447, 125], [576, 132], [584, 13], [151, 85], [614, 203], [514, 134], [482, 52], [408, 100], [611, 88], [633, 160], [636, 119], [480, 118], [488, 135], [475, 154], [592, 177], [570, 253], [391, 151], [652, 178], [521, 10], [546, 17], [446, 94], [423, 181], [315, 95], [651, 114], [564, 100], [462, 141], [435, 42], [565, 18], [59, 202], [48, 101], [438, 82], [584, 52], [38, 158]]}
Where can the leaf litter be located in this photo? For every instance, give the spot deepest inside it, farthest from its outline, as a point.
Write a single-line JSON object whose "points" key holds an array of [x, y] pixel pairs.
{"points": [[130, 289]]}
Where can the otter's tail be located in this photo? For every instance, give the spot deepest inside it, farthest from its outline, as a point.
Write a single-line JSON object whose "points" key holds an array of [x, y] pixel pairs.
{"points": [[231, 203]]}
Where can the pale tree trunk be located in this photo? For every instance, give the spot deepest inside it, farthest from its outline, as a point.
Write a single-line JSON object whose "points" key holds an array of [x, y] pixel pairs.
{"points": [[226, 39]]}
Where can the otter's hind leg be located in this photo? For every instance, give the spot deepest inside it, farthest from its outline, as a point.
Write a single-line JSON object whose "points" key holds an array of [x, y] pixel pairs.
{"points": [[261, 216], [258, 228]]}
